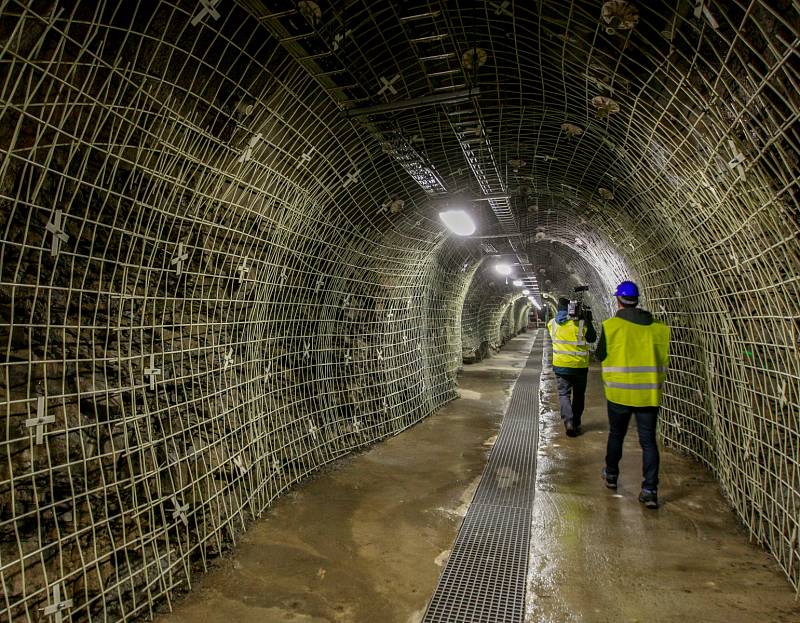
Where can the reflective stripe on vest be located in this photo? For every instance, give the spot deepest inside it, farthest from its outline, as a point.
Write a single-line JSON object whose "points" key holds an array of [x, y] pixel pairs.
{"points": [[569, 344], [633, 385], [635, 367]]}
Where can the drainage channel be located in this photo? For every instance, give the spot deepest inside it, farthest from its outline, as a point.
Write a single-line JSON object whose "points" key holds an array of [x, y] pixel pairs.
{"points": [[484, 578]]}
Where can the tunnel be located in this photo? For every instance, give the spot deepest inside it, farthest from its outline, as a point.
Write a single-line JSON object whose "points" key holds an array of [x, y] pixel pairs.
{"points": [[225, 273]]}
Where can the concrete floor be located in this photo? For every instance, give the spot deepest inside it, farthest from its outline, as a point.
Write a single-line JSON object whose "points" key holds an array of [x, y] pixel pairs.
{"points": [[365, 541], [598, 556]]}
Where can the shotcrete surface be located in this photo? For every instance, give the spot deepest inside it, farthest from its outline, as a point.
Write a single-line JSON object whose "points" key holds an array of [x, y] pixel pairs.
{"points": [[365, 541]]}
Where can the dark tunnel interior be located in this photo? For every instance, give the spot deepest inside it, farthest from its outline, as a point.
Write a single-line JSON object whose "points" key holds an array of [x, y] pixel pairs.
{"points": [[222, 264]]}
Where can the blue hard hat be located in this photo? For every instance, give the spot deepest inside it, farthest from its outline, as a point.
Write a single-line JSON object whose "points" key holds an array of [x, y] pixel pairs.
{"points": [[627, 290]]}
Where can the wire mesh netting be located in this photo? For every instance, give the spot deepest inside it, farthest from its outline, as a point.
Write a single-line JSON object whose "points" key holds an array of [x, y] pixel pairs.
{"points": [[192, 321], [221, 267]]}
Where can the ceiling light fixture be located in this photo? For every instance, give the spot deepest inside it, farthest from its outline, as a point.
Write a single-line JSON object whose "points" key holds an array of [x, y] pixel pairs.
{"points": [[526, 291], [517, 282], [503, 269], [458, 222]]}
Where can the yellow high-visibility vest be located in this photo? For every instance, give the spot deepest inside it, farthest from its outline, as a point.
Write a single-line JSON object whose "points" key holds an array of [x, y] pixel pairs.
{"points": [[570, 349], [636, 364]]}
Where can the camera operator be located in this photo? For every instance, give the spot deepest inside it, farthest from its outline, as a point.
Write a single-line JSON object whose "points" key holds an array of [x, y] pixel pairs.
{"points": [[571, 336]]}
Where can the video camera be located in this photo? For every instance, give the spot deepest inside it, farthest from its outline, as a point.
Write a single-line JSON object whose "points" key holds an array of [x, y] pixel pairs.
{"points": [[577, 309]]}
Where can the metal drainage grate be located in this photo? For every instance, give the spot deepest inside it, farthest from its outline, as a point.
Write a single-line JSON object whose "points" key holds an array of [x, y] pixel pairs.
{"points": [[484, 579]]}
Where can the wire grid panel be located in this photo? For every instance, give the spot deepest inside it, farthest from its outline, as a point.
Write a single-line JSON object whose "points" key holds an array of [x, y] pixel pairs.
{"points": [[198, 307], [170, 171], [660, 142], [484, 578], [489, 318]]}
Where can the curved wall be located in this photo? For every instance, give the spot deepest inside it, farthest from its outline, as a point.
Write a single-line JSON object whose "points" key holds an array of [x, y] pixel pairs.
{"points": [[213, 282], [682, 174], [195, 325]]}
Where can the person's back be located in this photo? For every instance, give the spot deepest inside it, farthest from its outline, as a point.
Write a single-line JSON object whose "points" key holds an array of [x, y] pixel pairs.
{"points": [[570, 338], [637, 358], [634, 351], [570, 344]]}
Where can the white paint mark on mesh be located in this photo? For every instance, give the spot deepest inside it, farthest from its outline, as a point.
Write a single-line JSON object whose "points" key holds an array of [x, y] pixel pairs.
{"points": [[339, 39], [351, 178], [243, 270], [247, 153], [59, 605], [312, 429], [152, 372], [701, 10], [388, 85], [305, 157], [180, 257], [209, 7], [56, 228], [737, 162], [41, 420], [502, 8], [179, 511]]}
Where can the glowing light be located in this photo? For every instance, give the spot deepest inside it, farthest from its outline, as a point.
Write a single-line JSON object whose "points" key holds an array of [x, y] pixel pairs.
{"points": [[503, 269], [517, 282], [458, 222], [526, 291]]}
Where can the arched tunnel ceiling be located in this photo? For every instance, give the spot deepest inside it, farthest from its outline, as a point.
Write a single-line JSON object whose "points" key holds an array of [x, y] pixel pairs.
{"points": [[222, 267], [626, 120]]}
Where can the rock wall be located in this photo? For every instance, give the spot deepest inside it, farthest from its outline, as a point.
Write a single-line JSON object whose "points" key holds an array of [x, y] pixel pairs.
{"points": [[203, 299], [212, 281]]}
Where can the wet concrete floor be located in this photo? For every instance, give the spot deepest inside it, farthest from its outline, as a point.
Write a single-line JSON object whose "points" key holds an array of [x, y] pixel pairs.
{"points": [[365, 541], [598, 556]]}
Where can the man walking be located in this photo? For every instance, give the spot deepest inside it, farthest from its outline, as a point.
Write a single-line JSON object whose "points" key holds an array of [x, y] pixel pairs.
{"points": [[570, 338], [634, 350]]}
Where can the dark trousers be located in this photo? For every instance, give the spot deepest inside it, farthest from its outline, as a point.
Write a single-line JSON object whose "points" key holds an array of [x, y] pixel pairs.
{"points": [[618, 418], [571, 393]]}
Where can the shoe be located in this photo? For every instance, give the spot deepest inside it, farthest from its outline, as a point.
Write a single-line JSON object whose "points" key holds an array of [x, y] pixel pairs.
{"points": [[570, 428], [649, 498], [611, 481]]}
